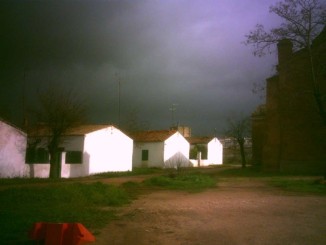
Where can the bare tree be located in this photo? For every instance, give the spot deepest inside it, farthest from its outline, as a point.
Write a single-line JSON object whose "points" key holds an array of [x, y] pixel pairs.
{"points": [[303, 20], [239, 129], [59, 111]]}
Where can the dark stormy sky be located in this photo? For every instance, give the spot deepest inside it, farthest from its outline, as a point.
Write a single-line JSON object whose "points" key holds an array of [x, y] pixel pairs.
{"points": [[165, 52]]}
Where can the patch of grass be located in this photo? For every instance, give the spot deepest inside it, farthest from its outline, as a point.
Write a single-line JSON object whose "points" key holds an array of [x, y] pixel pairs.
{"points": [[188, 182], [84, 203], [135, 171], [301, 185], [27, 180], [249, 171]]}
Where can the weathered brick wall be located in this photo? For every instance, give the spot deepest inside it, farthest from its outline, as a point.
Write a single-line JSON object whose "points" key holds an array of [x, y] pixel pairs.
{"points": [[303, 133], [271, 148], [295, 135], [258, 134]]}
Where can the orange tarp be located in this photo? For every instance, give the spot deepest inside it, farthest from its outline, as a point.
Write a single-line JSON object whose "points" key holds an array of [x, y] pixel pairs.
{"points": [[61, 233]]}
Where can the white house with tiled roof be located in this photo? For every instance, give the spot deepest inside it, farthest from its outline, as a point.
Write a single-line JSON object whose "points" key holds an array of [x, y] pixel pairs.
{"points": [[205, 151], [160, 148], [86, 150], [12, 151]]}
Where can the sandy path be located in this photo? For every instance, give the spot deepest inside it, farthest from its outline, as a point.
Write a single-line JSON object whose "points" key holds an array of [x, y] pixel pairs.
{"points": [[238, 211]]}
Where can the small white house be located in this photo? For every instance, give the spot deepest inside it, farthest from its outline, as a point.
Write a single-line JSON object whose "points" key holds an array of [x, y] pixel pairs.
{"points": [[205, 151], [160, 148], [12, 151], [90, 149]]}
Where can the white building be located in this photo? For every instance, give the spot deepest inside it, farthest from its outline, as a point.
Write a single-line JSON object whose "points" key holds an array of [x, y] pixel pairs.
{"points": [[160, 148], [12, 151], [205, 151], [88, 149]]}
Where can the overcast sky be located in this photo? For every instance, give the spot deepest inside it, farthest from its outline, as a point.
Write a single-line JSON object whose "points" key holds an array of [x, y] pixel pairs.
{"points": [[165, 52]]}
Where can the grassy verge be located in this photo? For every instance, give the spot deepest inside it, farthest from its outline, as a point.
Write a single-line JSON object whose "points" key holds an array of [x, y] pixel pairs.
{"points": [[134, 172], [24, 201], [187, 182], [300, 185], [294, 183], [66, 202]]}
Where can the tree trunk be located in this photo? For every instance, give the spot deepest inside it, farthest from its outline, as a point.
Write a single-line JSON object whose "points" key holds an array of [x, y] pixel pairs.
{"points": [[243, 155], [55, 165]]}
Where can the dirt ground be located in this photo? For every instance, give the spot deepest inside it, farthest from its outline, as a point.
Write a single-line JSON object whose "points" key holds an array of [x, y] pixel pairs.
{"points": [[237, 211]]}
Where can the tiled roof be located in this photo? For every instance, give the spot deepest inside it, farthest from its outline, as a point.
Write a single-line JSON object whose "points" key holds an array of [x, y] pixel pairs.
{"points": [[75, 131], [152, 136], [199, 140], [85, 129]]}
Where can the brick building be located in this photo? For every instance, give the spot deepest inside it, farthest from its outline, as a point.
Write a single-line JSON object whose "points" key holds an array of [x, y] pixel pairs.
{"points": [[288, 132]]}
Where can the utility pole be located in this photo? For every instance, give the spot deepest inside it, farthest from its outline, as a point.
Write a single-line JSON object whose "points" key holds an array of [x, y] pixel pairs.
{"points": [[119, 85], [173, 108], [117, 75], [25, 122]]}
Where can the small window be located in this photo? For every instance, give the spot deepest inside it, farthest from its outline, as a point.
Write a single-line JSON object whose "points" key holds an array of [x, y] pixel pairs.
{"points": [[144, 155], [37, 155], [74, 157], [42, 155], [30, 155]]}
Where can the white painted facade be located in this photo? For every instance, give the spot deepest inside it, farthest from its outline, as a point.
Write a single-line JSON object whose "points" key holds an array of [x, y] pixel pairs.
{"points": [[105, 149], [12, 151], [172, 151], [214, 154]]}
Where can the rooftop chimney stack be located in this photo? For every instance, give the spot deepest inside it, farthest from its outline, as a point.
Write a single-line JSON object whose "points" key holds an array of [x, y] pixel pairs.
{"points": [[284, 48]]}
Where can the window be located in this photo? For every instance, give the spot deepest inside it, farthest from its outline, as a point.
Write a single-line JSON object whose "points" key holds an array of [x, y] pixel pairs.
{"points": [[74, 157], [37, 155], [144, 155]]}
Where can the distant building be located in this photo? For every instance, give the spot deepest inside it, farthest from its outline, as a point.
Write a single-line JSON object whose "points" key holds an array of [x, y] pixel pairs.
{"points": [[288, 132], [86, 149], [160, 148], [205, 151]]}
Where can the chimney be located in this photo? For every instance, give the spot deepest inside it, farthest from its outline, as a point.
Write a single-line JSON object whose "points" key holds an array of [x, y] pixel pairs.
{"points": [[284, 48]]}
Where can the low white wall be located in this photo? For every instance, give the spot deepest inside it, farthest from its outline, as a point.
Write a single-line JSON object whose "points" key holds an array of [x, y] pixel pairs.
{"points": [[41, 170]]}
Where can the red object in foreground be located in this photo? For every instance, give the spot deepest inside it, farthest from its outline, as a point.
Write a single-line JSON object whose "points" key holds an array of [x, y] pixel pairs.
{"points": [[61, 233]]}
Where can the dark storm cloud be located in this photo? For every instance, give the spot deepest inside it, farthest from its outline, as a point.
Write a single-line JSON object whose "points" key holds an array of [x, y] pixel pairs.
{"points": [[164, 52]]}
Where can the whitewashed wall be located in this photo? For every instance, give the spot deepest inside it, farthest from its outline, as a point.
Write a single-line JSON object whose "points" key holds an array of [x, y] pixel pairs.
{"points": [[41, 170], [155, 154], [215, 152], [12, 151], [108, 150], [176, 151]]}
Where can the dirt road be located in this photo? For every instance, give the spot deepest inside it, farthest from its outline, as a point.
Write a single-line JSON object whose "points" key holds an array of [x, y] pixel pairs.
{"points": [[239, 211]]}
